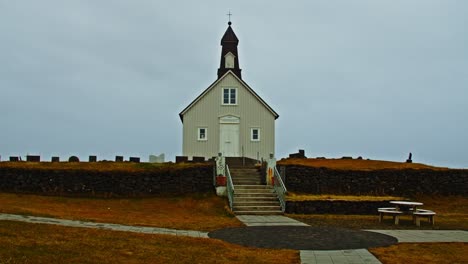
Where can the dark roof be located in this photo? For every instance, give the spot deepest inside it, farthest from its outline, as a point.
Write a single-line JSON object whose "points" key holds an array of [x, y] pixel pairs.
{"points": [[229, 36], [181, 114]]}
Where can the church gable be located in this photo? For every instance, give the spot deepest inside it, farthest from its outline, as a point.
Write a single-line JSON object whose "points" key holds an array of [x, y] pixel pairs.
{"points": [[222, 93]]}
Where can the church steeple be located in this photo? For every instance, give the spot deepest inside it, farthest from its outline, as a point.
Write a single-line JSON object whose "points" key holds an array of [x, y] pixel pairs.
{"points": [[229, 57]]}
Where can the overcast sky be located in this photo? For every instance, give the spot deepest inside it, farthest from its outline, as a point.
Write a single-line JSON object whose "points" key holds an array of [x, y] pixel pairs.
{"points": [[376, 79]]}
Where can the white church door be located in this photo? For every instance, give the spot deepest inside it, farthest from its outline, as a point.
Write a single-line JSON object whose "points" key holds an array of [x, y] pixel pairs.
{"points": [[229, 140]]}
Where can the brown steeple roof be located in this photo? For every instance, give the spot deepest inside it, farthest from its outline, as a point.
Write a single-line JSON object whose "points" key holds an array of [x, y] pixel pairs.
{"points": [[229, 43]]}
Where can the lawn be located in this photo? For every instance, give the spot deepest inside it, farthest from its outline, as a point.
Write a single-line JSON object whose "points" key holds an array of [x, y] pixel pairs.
{"points": [[355, 164], [422, 253], [98, 166], [38, 243], [203, 212], [452, 213], [291, 196]]}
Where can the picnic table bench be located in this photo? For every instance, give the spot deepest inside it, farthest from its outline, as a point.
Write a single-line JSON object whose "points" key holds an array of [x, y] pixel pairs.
{"points": [[390, 211]]}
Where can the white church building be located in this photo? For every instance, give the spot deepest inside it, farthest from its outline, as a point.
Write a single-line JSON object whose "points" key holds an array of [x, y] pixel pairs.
{"points": [[228, 117]]}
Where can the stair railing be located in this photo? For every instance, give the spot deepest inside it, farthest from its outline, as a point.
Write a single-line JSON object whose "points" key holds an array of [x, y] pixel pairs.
{"points": [[230, 187], [280, 189]]}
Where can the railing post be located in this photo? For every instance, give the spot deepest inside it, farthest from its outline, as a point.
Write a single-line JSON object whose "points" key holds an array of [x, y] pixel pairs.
{"points": [[270, 170], [220, 164], [220, 175]]}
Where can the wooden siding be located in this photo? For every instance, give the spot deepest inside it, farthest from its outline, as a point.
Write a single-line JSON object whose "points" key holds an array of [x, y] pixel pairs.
{"points": [[207, 112]]}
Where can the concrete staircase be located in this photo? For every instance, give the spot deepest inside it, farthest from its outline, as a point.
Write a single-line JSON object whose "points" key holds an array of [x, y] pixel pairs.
{"points": [[251, 197]]}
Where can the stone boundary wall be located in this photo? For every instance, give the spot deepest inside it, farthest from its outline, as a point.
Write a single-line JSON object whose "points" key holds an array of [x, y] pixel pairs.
{"points": [[401, 182], [90, 183], [335, 207]]}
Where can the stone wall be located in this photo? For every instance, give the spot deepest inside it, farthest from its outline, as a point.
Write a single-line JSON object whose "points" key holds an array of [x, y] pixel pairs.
{"points": [[335, 207], [403, 182], [113, 183]]}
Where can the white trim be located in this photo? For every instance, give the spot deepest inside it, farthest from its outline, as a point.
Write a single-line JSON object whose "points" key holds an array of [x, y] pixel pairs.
{"points": [[252, 134], [199, 138], [229, 119], [236, 96]]}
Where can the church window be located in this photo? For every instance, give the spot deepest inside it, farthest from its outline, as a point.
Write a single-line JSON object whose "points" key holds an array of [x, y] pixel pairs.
{"points": [[255, 134], [229, 96], [202, 133]]}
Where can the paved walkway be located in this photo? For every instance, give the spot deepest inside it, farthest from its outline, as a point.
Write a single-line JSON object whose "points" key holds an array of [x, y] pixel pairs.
{"points": [[312, 256], [268, 220], [356, 255], [115, 227], [353, 256], [422, 236]]}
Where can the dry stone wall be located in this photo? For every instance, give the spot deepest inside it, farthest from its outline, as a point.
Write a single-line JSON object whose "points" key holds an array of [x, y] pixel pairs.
{"points": [[377, 182], [334, 207], [67, 182]]}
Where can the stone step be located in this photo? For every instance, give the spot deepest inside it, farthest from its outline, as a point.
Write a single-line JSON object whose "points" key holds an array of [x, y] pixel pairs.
{"points": [[256, 203], [257, 208], [244, 171], [257, 195], [246, 182], [240, 187], [251, 190], [239, 181], [250, 176], [246, 177], [275, 212], [255, 199]]}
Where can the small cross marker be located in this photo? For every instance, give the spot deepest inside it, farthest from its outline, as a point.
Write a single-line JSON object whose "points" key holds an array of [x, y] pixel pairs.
{"points": [[229, 14]]}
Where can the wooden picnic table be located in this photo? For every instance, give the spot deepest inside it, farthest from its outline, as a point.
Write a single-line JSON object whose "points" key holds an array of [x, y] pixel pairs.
{"points": [[407, 207]]}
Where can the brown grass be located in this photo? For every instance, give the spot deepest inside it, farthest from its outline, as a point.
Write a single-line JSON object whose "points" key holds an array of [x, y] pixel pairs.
{"points": [[422, 253], [291, 196], [36, 243], [99, 166], [452, 213], [197, 212], [354, 164]]}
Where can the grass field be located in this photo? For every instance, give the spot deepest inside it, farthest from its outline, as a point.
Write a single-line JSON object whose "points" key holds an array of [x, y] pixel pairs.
{"points": [[452, 213], [99, 166], [355, 164], [291, 196], [37, 243], [423, 253], [203, 212]]}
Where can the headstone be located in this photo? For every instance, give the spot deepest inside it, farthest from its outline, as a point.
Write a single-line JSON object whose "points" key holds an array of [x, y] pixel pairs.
{"points": [[198, 159], [55, 159], [157, 159], [33, 158], [179, 159], [92, 159], [409, 160], [14, 159], [119, 158], [134, 159], [73, 159]]}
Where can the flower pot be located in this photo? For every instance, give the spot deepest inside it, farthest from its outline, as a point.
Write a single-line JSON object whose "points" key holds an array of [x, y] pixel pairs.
{"points": [[220, 180]]}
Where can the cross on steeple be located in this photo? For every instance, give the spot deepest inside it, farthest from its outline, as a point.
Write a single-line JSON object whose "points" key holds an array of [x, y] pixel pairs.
{"points": [[229, 14]]}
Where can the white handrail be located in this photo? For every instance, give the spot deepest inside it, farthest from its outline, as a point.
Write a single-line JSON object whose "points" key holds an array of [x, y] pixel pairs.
{"points": [[280, 189], [230, 187]]}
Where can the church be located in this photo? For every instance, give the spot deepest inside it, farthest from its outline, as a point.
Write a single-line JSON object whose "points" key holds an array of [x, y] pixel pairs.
{"points": [[228, 117]]}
